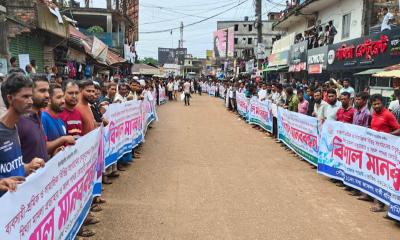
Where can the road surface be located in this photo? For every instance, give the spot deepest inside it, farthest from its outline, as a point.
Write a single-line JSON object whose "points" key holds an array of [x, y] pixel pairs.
{"points": [[204, 174]]}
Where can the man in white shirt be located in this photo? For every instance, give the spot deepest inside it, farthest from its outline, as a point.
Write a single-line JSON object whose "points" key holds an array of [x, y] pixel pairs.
{"points": [[170, 89], [388, 17], [319, 104], [347, 88], [329, 110], [186, 90], [262, 93], [176, 89]]}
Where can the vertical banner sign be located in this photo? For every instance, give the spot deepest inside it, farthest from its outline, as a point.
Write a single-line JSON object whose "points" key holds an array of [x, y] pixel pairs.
{"points": [[260, 113], [163, 97], [124, 131], [53, 202], [242, 104], [363, 159], [212, 91], [300, 133]]}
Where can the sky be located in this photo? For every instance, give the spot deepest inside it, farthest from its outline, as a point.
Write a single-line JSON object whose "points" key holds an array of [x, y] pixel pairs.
{"points": [[155, 15]]}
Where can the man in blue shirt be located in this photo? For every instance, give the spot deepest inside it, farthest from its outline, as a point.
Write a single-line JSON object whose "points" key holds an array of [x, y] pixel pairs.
{"points": [[17, 95], [53, 126]]}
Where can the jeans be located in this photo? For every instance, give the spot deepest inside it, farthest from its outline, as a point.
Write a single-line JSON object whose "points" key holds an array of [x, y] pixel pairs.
{"points": [[187, 99]]}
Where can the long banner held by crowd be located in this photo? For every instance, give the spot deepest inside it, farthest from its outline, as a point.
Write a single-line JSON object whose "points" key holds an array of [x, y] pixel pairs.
{"points": [[363, 159], [54, 201], [124, 131], [300, 133], [242, 104], [260, 113]]}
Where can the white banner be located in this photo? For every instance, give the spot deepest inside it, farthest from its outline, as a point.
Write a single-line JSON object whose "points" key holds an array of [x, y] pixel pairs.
{"points": [[54, 201], [124, 131]]}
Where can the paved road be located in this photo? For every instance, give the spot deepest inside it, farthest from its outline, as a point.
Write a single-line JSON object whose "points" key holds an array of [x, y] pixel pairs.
{"points": [[206, 175]]}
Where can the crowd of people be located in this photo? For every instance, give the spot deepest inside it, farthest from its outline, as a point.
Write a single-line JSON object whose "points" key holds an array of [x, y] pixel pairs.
{"points": [[333, 100], [41, 116]]}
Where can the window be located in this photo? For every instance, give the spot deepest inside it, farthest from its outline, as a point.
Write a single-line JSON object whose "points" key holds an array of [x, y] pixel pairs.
{"points": [[250, 27], [236, 27], [346, 25], [236, 40], [249, 41]]}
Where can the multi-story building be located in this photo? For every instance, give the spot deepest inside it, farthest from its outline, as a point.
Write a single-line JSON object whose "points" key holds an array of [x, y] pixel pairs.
{"points": [[118, 19], [245, 36], [359, 47]]}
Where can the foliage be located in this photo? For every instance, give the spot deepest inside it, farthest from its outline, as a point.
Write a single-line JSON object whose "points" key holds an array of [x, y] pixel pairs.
{"points": [[148, 60], [95, 29]]}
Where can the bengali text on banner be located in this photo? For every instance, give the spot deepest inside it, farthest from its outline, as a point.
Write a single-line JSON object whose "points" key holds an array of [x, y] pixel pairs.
{"points": [[300, 133], [260, 113], [54, 201], [124, 131], [363, 159]]}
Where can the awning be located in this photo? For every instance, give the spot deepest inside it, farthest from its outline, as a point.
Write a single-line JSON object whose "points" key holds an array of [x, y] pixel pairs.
{"points": [[388, 74], [394, 67], [86, 43], [276, 69], [369, 71]]}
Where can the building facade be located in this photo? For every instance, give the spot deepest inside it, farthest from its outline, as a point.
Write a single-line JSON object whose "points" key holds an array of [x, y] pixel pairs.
{"points": [[245, 36]]}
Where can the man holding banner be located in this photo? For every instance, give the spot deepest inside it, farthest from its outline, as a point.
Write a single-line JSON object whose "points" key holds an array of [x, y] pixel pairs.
{"points": [[17, 95]]}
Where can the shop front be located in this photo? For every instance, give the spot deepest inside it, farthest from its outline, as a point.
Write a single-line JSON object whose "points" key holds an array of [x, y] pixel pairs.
{"points": [[298, 60], [375, 51], [317, 59], [277, 66]]}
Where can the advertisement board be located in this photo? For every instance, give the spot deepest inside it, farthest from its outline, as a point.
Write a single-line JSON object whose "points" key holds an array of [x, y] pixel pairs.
{"points": [[171, 56], [223, 38]]}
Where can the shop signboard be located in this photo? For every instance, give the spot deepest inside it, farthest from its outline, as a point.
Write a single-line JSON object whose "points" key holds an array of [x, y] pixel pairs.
{"points": [[317, 60], [278, 59], [373, 51], [298, 57]]}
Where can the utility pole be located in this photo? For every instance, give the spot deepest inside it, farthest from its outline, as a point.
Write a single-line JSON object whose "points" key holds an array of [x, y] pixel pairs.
{"points": [[259, 28], [181, 39]]}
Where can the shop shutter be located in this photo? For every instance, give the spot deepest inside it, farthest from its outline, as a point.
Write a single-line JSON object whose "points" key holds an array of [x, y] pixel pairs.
{"points": [[26, 44]]}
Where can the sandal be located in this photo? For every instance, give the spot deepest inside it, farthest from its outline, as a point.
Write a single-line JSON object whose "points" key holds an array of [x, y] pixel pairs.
{"points": [[99, 200], [90, 220], [84, 232], [365, 197], [96, 208], [377, 208]]}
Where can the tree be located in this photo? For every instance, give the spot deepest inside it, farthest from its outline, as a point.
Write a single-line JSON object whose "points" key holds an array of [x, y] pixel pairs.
{"points": [[95, 29], [148, 60]]}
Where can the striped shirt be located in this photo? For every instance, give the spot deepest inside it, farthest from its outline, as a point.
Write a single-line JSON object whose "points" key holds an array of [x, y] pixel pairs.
{"points": [[362, 117]]}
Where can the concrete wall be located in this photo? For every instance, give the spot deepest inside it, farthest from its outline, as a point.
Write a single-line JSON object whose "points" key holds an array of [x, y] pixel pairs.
{"points": [[243, 34], [336, 12]]}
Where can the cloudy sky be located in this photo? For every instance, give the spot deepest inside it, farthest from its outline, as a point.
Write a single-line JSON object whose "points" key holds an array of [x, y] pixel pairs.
{"points": [[155, 15]]}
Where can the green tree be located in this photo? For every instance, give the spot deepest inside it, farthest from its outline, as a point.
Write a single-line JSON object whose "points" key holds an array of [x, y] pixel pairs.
{"points": [[149, 60], [95, 29]]}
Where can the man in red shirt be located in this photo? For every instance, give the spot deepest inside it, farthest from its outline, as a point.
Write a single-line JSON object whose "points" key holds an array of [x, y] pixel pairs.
{"points": [[382, 121], [71, 116], [86, 97], [346, 112]]}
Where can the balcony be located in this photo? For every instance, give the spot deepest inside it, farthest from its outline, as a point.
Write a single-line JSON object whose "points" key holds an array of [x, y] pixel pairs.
{"points": [[302, 10]]}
